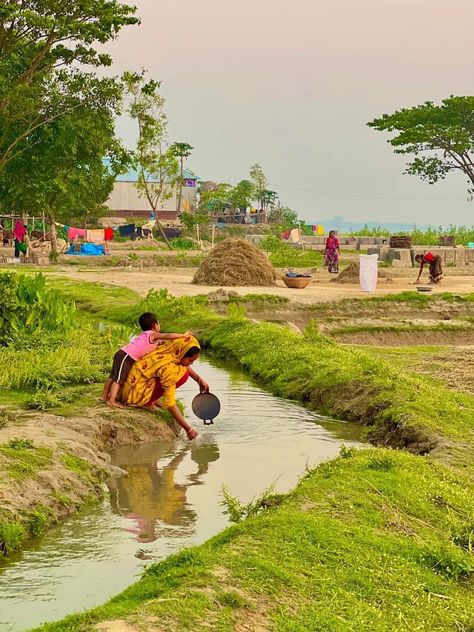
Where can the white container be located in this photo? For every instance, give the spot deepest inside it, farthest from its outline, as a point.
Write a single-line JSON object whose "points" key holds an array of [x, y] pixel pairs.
{"points": [[368, 272]]}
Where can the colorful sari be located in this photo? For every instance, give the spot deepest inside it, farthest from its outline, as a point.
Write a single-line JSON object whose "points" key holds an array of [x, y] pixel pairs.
{"points": [[158, 373], [332, 254]]}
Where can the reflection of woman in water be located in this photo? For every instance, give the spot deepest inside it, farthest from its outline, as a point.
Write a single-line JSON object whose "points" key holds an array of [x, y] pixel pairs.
{"points": [[150, 496]]}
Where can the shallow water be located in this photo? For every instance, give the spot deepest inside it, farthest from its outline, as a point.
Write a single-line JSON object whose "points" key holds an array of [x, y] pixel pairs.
{"points": [[170, 499]]}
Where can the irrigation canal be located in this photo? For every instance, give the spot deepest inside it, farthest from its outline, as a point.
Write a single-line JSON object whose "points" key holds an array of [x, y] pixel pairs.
{"points": [[170, 499]]}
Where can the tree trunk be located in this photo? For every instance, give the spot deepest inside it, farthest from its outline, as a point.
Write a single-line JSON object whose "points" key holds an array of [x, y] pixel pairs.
{"points": [[162, 231], [180, 190]]}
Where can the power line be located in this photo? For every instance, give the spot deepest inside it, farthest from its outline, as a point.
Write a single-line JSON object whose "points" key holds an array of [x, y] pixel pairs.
{"points": [[365, 197]]}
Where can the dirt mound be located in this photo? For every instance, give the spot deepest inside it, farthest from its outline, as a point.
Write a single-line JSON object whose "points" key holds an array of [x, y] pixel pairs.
{"points": [[351, 274], [235, 262]]}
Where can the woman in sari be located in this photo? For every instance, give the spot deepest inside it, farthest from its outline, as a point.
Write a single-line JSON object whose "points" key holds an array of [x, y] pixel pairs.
{"points": [[435, 266], [332, 252], [160, 373], [19, 233]]}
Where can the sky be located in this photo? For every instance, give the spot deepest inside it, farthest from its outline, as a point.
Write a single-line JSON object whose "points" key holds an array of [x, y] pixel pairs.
{"points": [[292, 84]]}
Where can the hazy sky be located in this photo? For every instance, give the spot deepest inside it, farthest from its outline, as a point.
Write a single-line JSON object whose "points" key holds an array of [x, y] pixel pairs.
{"points": [[291, 84]]}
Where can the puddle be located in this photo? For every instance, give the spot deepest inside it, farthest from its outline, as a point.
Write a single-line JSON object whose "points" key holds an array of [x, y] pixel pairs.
{"points": [[170, 499]]}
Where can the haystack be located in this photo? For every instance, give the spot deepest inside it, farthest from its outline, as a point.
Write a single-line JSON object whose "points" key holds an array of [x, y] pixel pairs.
{"points": [[351, 274], [401, 241], [235, 262]]}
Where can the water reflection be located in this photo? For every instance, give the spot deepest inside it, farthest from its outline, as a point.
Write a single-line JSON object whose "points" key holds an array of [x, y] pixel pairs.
{"points": [[170, 499], [150, 496]]}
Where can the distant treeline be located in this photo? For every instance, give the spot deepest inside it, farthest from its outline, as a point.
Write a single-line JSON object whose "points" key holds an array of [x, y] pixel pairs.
{"points": [[425, 236]]}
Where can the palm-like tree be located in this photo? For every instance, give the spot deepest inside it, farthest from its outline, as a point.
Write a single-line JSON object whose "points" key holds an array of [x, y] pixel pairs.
{"points": [[181, 151]]}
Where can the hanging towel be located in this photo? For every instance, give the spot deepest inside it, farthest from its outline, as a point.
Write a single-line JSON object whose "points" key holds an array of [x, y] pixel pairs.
{"points": [[109, 234], [96, 235], [75, 233]]}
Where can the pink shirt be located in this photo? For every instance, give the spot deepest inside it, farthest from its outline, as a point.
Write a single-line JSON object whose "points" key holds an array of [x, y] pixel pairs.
{"points": [[140, 345]]}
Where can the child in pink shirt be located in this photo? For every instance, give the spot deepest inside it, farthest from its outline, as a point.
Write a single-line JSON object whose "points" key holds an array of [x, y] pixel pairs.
{"points": [[138, 347]]}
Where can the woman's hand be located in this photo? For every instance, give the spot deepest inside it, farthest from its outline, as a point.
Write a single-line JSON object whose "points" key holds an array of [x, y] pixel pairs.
{"points": [[203, 385]]}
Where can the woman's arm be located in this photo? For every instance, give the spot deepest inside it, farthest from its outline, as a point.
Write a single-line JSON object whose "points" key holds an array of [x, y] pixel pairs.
{"points": [[421, 270], [178, 416], [203, 385]]}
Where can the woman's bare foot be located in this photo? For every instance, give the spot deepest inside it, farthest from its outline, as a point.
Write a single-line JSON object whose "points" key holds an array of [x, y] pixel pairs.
{"points": [[115, 404], [192, 434], [150, 407]]}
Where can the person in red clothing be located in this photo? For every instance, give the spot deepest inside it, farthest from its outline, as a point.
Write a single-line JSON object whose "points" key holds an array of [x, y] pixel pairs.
{"points": [[332, 252], [435, 266]]}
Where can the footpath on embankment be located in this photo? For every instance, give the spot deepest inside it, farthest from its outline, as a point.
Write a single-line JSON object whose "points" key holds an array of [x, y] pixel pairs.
{"points": [[378, 539]]}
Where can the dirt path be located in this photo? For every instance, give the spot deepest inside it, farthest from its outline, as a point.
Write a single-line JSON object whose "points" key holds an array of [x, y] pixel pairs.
{"points": [[178, 281]]}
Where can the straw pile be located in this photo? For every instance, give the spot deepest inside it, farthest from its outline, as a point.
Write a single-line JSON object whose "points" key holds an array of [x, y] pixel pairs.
{"points": [[235, 262], [351, 274], [400, 241]]}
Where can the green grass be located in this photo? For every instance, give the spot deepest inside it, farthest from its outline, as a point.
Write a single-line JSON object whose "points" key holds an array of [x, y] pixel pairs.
{"points": [[442, 327], [22, 460], [375, 540]]}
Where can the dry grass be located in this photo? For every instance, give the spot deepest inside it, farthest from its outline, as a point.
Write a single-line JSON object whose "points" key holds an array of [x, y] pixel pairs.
{"points": [[235, 262]]}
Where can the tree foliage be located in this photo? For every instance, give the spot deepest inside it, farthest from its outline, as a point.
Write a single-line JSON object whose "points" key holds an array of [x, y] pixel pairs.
{"points": [[158, 166], [181, 151], [441, 137], [61, 172], [42, 45], [283, 216]]}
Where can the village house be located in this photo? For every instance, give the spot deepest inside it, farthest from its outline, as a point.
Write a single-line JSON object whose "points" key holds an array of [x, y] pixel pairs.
{"points": [[126, 201]]}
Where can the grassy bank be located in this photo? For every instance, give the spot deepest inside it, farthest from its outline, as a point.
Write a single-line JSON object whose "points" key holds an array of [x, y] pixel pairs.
{"points": [[377, 540], [374, 540], [52, 431]]}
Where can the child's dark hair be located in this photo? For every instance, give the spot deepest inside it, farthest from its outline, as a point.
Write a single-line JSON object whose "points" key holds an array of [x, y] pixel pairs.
{"points": [[192, 352], [147, 320]]}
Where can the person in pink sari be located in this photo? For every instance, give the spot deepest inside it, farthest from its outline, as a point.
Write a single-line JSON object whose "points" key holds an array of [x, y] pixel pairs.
{"points": [[18, 234]]}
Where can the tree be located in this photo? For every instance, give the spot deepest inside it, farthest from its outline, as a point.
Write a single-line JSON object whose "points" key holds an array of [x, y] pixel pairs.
{"points": [[214, 197], [259, 182], [241, 195], [284, 216], [158, 167], [441, 137], [268, 199], [62, 173], [181, 151], [42, 44]]}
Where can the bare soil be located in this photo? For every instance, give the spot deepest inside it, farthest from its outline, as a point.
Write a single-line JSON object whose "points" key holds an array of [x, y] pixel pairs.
{"points": [[407, 338], [178, 281]]}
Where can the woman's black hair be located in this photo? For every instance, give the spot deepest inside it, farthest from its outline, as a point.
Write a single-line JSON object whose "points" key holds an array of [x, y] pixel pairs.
{"points": [[192, 352]]}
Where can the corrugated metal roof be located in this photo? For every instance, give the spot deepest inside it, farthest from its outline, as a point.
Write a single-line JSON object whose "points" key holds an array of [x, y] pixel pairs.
{"points": [[132, 176]]}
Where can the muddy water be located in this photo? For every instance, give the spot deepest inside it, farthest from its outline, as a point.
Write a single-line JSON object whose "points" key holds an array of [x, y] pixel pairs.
{"points": [[170, 499]]}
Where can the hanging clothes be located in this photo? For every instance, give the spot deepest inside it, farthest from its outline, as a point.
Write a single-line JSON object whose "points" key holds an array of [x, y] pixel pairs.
{"points": [[108, 234], [76, 233], [96, 235], [127, 231]]}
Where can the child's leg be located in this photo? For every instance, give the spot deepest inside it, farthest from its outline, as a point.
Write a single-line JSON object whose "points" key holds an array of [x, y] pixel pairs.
{"points": [[114, 391], [105, 393]]}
